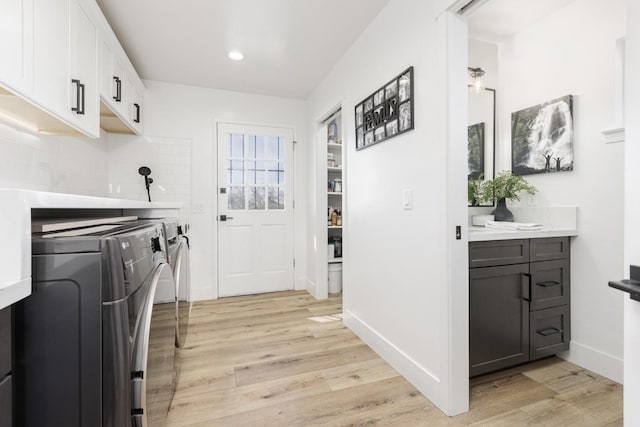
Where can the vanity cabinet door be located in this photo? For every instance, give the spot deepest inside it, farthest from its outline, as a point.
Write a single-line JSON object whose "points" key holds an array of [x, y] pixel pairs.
{"points": [[6, 402], [5, 342], [549, 284], [549, 249], [550, 331], [498, 318], [502, 252]]}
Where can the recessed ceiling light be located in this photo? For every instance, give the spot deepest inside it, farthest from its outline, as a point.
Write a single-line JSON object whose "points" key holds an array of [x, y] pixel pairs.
{"points": [[235, 55]]}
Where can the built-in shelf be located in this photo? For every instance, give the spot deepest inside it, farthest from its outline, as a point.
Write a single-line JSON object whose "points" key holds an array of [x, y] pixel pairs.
{"points": [[333, 144], [334, 193], [334, 260], [334, 226]]}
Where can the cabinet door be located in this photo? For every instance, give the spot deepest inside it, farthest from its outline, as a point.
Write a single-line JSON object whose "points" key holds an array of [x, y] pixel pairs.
{"points": [[84, 71], [498, 318], [550, 331], [5, 342], [107, 83], [16, 45], [52, 53], [549, 284], [500, 252]]}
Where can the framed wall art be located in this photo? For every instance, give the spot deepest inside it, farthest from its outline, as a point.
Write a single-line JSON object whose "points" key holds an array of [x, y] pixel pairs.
{"points": [[387, 112], [542, 138]]}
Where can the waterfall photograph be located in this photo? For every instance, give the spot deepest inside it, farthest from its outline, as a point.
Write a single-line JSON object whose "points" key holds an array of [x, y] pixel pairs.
{"points": [[542, 138]]}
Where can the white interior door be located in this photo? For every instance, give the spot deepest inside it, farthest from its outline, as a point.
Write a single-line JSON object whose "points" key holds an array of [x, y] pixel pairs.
{"points": [[255, 209]]}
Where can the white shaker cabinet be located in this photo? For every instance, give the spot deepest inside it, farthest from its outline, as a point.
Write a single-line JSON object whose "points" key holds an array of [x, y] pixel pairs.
{"points": [[65, 63], [16, 45], [84, 71], [52, 56]]}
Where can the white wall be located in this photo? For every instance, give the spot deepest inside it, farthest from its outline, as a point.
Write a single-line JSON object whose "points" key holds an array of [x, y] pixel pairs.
{"points": [[190, 113], [573, 52], [632, 213], [396, 281], [53, 163]]}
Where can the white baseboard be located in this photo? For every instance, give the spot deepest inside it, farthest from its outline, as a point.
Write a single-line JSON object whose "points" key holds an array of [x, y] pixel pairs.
{"points": [[595, 360], [426, 382], [310, 287], [203, 294], [300, 284]]}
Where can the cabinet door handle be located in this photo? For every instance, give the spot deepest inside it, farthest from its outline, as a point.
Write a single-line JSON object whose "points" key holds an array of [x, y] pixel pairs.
{"points": [[549, 331], [118, 97], [81, 87], [548, 283], [137, 119], [77, 109], [526, 287]]}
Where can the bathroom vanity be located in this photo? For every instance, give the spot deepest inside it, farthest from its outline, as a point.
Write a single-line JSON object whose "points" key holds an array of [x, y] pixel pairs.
{"points": [[519, 291]]}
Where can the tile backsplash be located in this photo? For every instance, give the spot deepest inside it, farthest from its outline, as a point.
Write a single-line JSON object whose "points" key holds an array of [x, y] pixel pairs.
{"points": [[168, 158], [53, 163]]}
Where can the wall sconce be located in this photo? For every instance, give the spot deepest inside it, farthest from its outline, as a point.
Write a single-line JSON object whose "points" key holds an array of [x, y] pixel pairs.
{"points": [[476, 74]]}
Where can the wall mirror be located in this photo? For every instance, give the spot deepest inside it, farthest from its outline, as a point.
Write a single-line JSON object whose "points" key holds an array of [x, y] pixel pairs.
{"points": [[481, 140]]}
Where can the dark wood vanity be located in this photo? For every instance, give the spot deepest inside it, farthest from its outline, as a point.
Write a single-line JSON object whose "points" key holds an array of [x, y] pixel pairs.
{"points": [[519, 294]]}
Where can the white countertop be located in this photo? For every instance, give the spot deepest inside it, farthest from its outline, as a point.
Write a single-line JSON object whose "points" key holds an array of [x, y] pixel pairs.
{"points": [[482, 234], [15, 229]]}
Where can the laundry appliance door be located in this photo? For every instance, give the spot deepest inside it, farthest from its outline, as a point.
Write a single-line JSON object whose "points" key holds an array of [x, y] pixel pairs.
{"points": [[181, 277], [153, 374]]}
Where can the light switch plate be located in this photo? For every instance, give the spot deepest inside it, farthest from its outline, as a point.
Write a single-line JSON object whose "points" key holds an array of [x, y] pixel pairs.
{"points": [[407, 199]]}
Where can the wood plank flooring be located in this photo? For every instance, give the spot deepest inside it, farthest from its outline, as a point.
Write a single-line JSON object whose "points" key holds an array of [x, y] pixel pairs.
{"points": [[258, 361]]}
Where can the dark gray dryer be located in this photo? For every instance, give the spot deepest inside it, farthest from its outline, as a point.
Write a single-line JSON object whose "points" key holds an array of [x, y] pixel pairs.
{"points": [[91, 348]]}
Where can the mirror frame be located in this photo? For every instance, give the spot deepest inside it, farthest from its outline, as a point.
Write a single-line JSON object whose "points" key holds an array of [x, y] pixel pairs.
{"points": [[493, 143]]}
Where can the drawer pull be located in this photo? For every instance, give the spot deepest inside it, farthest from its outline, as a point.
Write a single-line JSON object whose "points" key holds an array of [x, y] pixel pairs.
{"points": [[526, 286], [549, 331], [548, 284]]}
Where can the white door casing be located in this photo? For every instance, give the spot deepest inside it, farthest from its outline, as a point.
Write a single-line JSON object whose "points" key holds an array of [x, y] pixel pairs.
{"points": [[255, 195]]}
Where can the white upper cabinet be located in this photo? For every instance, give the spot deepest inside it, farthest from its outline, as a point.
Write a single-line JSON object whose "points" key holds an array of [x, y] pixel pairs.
{"points": [[84, 71], [16, 45], [52, 56], [61, 58]]}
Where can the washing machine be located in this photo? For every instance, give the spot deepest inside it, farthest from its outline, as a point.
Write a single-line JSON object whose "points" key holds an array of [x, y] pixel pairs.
{"points": [[91, 347]]}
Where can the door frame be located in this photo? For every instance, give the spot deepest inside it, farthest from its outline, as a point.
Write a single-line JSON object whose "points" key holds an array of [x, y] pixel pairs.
{"points": [[298, 213]]}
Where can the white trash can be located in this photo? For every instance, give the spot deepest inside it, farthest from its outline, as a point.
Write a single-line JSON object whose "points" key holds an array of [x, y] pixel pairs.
{"points": [[335, 277]]}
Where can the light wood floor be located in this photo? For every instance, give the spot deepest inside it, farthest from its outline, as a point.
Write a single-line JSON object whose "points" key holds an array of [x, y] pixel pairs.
{"points": [[259, 361]]}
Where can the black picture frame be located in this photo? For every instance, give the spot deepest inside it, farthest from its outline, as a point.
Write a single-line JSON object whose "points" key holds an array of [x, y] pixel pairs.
{"points": [[542, 138], [475, 151], [387, 112]]}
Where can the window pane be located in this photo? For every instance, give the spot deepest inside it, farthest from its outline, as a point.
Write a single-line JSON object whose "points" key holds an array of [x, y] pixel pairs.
{"points": [[235, 172], [275, 173], [236, 143], [251, 147], [236, 198], [272, 148], [250, 169], [276, 198], [255, 198], [281, 145], [259, 147]]}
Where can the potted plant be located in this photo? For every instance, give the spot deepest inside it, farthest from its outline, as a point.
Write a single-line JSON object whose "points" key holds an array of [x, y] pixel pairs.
{"points": [[502, 187], [475, 190]]}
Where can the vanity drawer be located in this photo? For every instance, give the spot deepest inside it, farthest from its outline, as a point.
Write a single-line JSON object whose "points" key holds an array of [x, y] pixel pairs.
{"points": [[549, 249], [550, 332], [500, 252], [549, 284], [5, 342]]}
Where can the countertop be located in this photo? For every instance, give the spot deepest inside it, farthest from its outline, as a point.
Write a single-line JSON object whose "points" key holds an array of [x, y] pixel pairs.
{"points": [[15, 229], [482, 234]]}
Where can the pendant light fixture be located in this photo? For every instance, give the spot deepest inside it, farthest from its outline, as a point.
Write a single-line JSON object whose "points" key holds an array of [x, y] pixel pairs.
{"points": [[476, 74]]}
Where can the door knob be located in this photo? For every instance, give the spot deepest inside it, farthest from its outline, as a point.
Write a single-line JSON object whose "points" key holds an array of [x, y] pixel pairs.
{"points": [[225, 217]]}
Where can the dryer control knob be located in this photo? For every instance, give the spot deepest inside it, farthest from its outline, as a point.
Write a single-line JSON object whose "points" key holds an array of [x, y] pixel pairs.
{"points": [[155, 244]]}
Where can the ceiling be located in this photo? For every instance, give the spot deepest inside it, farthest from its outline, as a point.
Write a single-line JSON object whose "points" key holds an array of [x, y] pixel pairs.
{"points": [[499, 20], [289, 45]]}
